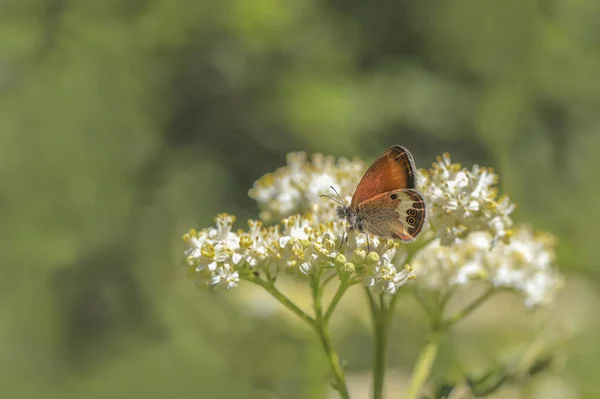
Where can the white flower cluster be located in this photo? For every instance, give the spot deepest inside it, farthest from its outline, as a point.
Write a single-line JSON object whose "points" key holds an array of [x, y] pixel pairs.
{"points": [[471, 238], [525, 264], [296, 187], [460, 201], [299, 246]]}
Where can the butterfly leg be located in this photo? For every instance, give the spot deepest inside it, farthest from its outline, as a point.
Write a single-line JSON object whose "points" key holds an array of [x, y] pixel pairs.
{"points": [[368, 244]]}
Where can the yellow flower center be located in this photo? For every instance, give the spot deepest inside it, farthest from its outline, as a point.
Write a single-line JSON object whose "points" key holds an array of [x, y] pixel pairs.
{"points": [[207, 250], [245, 242]]}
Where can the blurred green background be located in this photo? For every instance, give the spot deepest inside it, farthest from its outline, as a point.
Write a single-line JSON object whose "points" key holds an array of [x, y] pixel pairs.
{"points": [[125, 123]]}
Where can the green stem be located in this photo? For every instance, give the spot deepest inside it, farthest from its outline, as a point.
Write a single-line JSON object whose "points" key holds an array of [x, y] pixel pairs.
{"points": [[381, 316], [329, 278], [379, 366], [372, 303], [444, 298], [423, 303], [281, 298], [336, 299], [423, 365], [464, 312], [321, 327], [392, 304], [339, 379], [429, 351], [319, 324]]}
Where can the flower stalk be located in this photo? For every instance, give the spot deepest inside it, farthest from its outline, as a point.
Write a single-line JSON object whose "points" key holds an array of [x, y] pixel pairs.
{"points": [[282, 299], [341, 290], [381, 326], [464, 312], [424, 363], [339, 379], [439, 326], [321, 326]]}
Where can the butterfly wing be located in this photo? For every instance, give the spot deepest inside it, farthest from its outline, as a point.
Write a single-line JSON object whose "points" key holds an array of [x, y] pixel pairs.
{"points": [[394, 214], [393, 170]]}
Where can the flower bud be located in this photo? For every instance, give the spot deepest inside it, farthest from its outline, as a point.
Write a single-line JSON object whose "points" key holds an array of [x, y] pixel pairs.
{"points": [[359, 256], [339, 261], [348, 268], [372, 259]]}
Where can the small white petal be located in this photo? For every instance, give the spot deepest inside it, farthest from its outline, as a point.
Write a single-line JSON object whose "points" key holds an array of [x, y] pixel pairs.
{"points": [[237, 258], [212, 266], [283, 241], [305, 267]]}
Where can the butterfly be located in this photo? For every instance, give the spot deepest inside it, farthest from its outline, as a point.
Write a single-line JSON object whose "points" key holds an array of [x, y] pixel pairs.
{"points": [[385, 202]]}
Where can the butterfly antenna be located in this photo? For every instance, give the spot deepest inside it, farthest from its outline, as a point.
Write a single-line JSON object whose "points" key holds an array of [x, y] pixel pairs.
{"points": [[331, 198], [338, 194]]}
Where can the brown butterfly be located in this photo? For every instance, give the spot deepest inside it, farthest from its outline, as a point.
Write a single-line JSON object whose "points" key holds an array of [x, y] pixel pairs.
{"points": [[385, 202]]}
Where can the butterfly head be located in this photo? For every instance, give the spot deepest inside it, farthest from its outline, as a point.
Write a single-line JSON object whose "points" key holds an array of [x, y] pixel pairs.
{"points": [[351, 216], [345, 212]]}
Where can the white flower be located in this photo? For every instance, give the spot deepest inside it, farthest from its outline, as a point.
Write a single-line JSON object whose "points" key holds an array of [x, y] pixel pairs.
{"points": [[296, 187], [299, 246], [386, 278], [226, 276], [212, 253], [525, 264], [460, 201], [376, 268], [253, 245], [222, 233]]}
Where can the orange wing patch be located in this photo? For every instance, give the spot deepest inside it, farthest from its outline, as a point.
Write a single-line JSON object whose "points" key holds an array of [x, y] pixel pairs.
{"points": [[393, 170]]}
